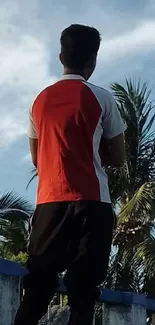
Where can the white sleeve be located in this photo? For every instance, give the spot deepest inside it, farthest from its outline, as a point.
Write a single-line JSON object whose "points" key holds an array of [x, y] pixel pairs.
{"points": [[32, 133], [112, 122]]}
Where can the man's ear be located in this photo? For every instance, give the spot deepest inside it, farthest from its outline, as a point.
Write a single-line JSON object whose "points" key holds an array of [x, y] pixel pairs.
{"points": [[91, 63], [60, 58]]}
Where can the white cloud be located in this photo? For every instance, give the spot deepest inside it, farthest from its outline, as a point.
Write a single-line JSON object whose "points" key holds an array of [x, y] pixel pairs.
{"points": [[23, 64], [23, 72], [26, 44], [26, 158], [139, 40], [10, 130]]}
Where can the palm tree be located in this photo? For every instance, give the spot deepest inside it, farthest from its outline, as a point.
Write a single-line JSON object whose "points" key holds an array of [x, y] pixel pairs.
{"points": [[132, 189], [14, 215], [139, 114]]}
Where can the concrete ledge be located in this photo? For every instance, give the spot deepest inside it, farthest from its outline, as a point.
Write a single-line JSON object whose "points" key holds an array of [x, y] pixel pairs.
{"points": [[118, 297], [123, 298], [126, 298], [107, 296], [150, 304], [11, 268]]}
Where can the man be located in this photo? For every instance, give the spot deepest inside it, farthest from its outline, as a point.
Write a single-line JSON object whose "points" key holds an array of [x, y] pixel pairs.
{"points": [[72, 225]]}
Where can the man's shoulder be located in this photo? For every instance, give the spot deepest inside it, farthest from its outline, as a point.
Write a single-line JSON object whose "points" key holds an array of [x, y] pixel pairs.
{"points": [[43, 93], [47, 89], [99, 92]]}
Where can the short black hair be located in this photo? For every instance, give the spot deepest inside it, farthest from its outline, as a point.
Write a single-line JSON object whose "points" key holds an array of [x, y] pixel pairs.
{"points": [[78, 44]]}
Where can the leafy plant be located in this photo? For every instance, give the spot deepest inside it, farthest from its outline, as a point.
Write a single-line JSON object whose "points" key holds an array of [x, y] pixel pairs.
{"points": [[14, 215]]}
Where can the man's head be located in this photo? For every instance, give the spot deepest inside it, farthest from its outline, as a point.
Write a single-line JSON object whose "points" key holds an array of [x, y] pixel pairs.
{"points": [[79, 48]]}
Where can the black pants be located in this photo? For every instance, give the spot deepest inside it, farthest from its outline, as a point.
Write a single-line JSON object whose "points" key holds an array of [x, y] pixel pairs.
{"points": [[75, 236]]}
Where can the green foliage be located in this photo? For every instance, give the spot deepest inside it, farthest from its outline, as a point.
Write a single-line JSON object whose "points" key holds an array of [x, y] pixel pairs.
{"points": [[21, 258], [14, 215], [132, 266], [138, 113]]}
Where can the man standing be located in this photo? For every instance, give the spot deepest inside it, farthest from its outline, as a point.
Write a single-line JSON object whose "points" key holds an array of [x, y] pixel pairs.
{"points": [[72, 226]]}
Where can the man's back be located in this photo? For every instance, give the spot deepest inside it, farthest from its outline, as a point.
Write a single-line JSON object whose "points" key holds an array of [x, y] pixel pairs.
{"points": [[67, 118]]}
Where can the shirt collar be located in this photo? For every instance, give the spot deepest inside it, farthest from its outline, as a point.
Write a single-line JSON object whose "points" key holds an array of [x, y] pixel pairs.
{"points": [[72, 77]]}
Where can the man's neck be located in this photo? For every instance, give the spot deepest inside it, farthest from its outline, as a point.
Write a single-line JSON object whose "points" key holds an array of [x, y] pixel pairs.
{"points": [[76, 72]]}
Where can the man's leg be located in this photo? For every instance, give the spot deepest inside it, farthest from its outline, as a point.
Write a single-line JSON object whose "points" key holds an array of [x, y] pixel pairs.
{"points": [[48, 248], [39, 291], [89, 256]]}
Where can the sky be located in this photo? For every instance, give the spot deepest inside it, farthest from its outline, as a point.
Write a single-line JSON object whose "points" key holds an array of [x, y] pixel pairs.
{"points": [[29, 49]]}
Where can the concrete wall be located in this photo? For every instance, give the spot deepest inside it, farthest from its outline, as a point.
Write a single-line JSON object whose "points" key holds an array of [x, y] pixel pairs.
{"points": [[119, 308], [10, 275], [124, 315], [112, 315], [9, 298]]}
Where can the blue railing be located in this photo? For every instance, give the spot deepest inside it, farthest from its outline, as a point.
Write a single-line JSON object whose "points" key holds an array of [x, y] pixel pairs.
{"points": [[120, 308]]}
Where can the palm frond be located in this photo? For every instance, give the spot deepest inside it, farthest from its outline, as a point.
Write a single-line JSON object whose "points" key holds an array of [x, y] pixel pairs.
{"points": [[133, 190], [140, 203], [145, 255], [10, 202], [121, 276], [119, 180], [14, 215], [139, 114], [34, 174]]}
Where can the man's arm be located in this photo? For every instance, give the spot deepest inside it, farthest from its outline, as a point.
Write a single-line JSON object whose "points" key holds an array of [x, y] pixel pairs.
{"points": [[33, 139], [112, 146], [112, 151], [33, 143]]}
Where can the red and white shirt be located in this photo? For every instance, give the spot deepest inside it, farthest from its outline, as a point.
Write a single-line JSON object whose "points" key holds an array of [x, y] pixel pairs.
{"points": [[68, 118]]}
